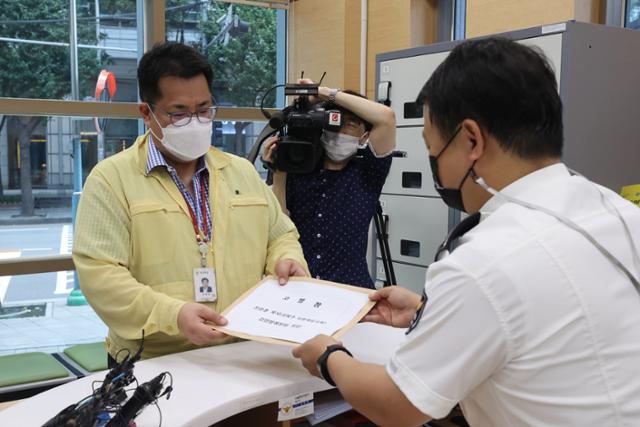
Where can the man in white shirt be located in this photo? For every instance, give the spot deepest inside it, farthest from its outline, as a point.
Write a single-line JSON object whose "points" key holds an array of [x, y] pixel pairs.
{"points": [[527, 322]]}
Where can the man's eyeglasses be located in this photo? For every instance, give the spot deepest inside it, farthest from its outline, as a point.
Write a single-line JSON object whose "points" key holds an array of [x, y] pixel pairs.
{"points": [[183, 118]]}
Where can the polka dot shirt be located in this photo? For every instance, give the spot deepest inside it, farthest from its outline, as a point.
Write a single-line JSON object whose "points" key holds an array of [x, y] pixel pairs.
{"points": [[332, 211]]}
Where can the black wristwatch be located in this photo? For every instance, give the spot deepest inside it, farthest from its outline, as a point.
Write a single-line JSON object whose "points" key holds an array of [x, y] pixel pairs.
{"points": [[322, 362]]}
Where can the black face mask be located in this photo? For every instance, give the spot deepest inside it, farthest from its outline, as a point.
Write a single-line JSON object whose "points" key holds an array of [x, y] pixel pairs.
{"points": [[452, 197]]}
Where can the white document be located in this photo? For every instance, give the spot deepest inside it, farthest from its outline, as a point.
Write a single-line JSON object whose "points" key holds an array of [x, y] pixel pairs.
{"points": [[297, 311]]}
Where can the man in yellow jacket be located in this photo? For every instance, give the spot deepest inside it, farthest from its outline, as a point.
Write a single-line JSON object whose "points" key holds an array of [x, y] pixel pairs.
{"points": [[158, 218]]}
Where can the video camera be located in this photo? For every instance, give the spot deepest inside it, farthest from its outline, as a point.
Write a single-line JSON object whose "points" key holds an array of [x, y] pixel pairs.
{"points": [[300, 126]]}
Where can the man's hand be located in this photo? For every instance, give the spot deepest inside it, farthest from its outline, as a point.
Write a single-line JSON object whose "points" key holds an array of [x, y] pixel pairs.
{"points": [[191, 322], [312, 98], [269, 146], [395, 306], [286, 268], [310, 351]]}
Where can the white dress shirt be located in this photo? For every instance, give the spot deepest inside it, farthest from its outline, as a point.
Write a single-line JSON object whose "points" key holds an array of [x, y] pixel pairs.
{"points": [[527, 323]]}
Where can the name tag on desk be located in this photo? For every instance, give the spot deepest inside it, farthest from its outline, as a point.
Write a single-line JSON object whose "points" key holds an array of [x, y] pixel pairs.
{"points": [[204, 284], [295, 406]]}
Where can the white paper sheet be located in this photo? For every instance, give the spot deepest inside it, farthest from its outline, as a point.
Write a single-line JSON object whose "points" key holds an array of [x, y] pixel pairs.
{"points": [[296, 312]]}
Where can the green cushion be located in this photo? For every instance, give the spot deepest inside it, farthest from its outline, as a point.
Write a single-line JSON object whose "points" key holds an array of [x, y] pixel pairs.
{"points": [[29, 367], [91, 357]]}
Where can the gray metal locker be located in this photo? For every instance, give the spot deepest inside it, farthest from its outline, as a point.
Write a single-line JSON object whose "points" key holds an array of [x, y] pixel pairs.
{"points": [[597, 69], [409, 276], [415, 225], [410, 175]]}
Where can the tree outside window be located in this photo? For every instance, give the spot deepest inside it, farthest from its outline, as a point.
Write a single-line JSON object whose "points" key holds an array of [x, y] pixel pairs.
{"points": [[240, 44], [633, 14], [40, 71]]}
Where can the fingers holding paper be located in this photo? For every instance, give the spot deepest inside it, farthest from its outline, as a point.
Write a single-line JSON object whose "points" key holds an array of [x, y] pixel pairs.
{"points": [[395, 306], [194, 322], [286, 268], [310, 351]]}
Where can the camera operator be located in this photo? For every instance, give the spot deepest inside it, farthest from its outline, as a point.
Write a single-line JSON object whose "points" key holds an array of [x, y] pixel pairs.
{"points": [[333, 205]]}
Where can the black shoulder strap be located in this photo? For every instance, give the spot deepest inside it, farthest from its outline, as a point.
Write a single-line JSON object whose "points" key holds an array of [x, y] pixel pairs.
{"points": [[445, 247], [465, 225]]}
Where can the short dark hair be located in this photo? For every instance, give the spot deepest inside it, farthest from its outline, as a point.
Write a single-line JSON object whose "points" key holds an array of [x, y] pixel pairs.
{"points": [[508, 88], [169, 59], [332, 106]]}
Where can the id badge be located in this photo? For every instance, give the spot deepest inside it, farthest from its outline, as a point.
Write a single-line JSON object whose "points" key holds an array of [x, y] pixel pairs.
{"points": [[204, 284]]}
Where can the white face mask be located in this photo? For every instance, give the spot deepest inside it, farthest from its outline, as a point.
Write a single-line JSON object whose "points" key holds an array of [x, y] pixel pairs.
{"points": [[339, 146], [186, 143]]}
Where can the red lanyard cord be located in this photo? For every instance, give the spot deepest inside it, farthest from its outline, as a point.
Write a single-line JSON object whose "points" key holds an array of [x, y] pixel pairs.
{"points": [[203, 207]]}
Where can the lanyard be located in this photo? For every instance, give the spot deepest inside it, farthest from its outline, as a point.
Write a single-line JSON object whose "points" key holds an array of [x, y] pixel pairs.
{"points": [[201, 236]]}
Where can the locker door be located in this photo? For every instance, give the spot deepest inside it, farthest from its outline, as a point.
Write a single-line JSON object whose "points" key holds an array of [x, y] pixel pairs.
{"points": [[410, 175], [407, 76], [408, 276], [416, 226]]}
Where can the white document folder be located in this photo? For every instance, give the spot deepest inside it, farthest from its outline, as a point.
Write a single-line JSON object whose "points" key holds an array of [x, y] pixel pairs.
{"points": [[296, 312]]}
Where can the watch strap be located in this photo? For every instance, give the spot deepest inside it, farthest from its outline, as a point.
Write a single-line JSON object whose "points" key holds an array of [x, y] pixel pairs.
{"points": [[324, 357]]}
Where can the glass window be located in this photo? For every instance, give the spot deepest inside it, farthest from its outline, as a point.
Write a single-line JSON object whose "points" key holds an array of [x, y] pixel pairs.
{"points": [[111, 25], [38, 155], [632, 17], [34, 315], [35, 54], [30, 67], [44, 325], [236, 137], [238, 40], [42, 148]]}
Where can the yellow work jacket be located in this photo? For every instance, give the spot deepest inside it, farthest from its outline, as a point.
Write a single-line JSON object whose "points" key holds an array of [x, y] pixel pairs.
{"points": [[135, 247]]}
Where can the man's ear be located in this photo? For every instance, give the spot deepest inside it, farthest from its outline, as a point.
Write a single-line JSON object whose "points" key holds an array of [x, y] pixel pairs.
{"points": [[472, 132], [145, 112]]}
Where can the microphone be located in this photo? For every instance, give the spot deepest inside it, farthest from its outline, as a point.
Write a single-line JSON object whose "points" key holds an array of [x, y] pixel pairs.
{"points": [[277, 120], [145, 394]]}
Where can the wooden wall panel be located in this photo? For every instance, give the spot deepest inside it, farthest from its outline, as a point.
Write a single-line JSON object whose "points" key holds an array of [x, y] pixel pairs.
{"points": [[316, 40], [388, 29], [424, 14], [496, 16], [325, 36], [353, 18], [591, 11]]}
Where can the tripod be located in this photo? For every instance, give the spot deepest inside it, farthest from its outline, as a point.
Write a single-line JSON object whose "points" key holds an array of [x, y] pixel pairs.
{"points": [[383, 240]]}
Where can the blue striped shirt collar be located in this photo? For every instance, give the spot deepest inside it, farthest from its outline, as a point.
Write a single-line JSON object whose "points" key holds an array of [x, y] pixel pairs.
{"points": [[156, 159]]}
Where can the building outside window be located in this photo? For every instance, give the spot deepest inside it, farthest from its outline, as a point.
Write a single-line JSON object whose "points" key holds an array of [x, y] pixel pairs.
{"points": [[34, 63]]}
